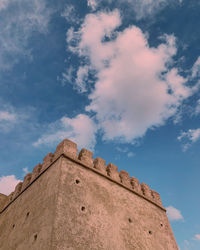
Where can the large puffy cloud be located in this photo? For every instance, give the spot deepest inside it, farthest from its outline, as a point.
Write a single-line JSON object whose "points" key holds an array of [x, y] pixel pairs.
{"points": [[80, 129], [19, 18], [7, 184], [174, 214], [135, 89]]}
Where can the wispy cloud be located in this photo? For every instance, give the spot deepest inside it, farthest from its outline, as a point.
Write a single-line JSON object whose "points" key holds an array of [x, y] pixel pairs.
{"points": [[81, 78], [69, 13], [9, 117], [126, 151], [19, 18], [197, 108], [196, 68], [174, 214], [6, 116], [141, 8], [189, 137]]}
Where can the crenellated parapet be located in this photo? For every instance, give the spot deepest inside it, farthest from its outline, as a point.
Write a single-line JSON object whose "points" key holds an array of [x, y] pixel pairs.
{"points": [[3, 200], [68, 149]]}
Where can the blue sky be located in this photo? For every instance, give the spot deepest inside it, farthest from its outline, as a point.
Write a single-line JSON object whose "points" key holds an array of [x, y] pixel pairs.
{"points": [[121, 78]]}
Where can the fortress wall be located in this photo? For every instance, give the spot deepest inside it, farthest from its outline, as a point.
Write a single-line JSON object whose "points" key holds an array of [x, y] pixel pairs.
{"points": [[26, 224], [75, 202], [96, 213], [3, 199]]}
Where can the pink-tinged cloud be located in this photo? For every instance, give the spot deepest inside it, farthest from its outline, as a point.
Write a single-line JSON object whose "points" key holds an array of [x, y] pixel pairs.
{"points": [[7, 184], [135, 90], [174, 214], [80, 129]]}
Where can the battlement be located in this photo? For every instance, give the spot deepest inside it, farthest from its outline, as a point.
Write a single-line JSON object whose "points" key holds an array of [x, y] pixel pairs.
{"points": [[72, 201], [68, 149]]}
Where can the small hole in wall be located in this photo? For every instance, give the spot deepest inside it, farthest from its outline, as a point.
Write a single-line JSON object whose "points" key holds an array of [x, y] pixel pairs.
{"points": [[77, 181], [27, 215], [150, 232], [35, 237], [161, 225], [130, 221], [13, 225], [82, 208]]}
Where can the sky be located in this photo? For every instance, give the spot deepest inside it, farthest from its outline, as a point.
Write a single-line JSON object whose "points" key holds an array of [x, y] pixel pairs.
{"points": [[118, 77]]}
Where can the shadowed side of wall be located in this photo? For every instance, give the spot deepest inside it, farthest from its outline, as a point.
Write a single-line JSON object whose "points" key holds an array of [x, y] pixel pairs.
{"points": [[26, 224]]}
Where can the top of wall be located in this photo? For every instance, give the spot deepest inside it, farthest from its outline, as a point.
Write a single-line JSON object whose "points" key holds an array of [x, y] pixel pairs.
{"points": [[69, 150]]}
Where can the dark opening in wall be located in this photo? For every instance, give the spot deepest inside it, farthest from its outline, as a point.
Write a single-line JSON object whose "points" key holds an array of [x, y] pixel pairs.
{"points": [[150, 232], [27, 215], [13, 225], [161, 225], [83, 208], [35, 237], [130, 221], [77, 181]]}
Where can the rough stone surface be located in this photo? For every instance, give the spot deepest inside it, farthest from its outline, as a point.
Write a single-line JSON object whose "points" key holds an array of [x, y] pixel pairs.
{"points": [[3, 199], [27, 223], [73, 207], [100, 214]]}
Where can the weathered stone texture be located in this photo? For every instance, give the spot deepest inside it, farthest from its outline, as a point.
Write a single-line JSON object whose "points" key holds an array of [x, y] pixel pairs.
{"points": [[75, 203], [95, 213], [3, 199], [27, 222]]}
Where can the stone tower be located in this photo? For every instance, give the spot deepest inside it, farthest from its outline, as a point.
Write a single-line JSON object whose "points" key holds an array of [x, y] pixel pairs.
{"points": [[72, 202]]}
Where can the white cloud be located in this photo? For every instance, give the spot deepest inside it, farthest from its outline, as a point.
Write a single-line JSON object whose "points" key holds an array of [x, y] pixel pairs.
{"points": [[8, 183], [189, 137], [92, 4], [135, 90], [80, 129], [197, 237], [174, 214], [19, 18]]}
